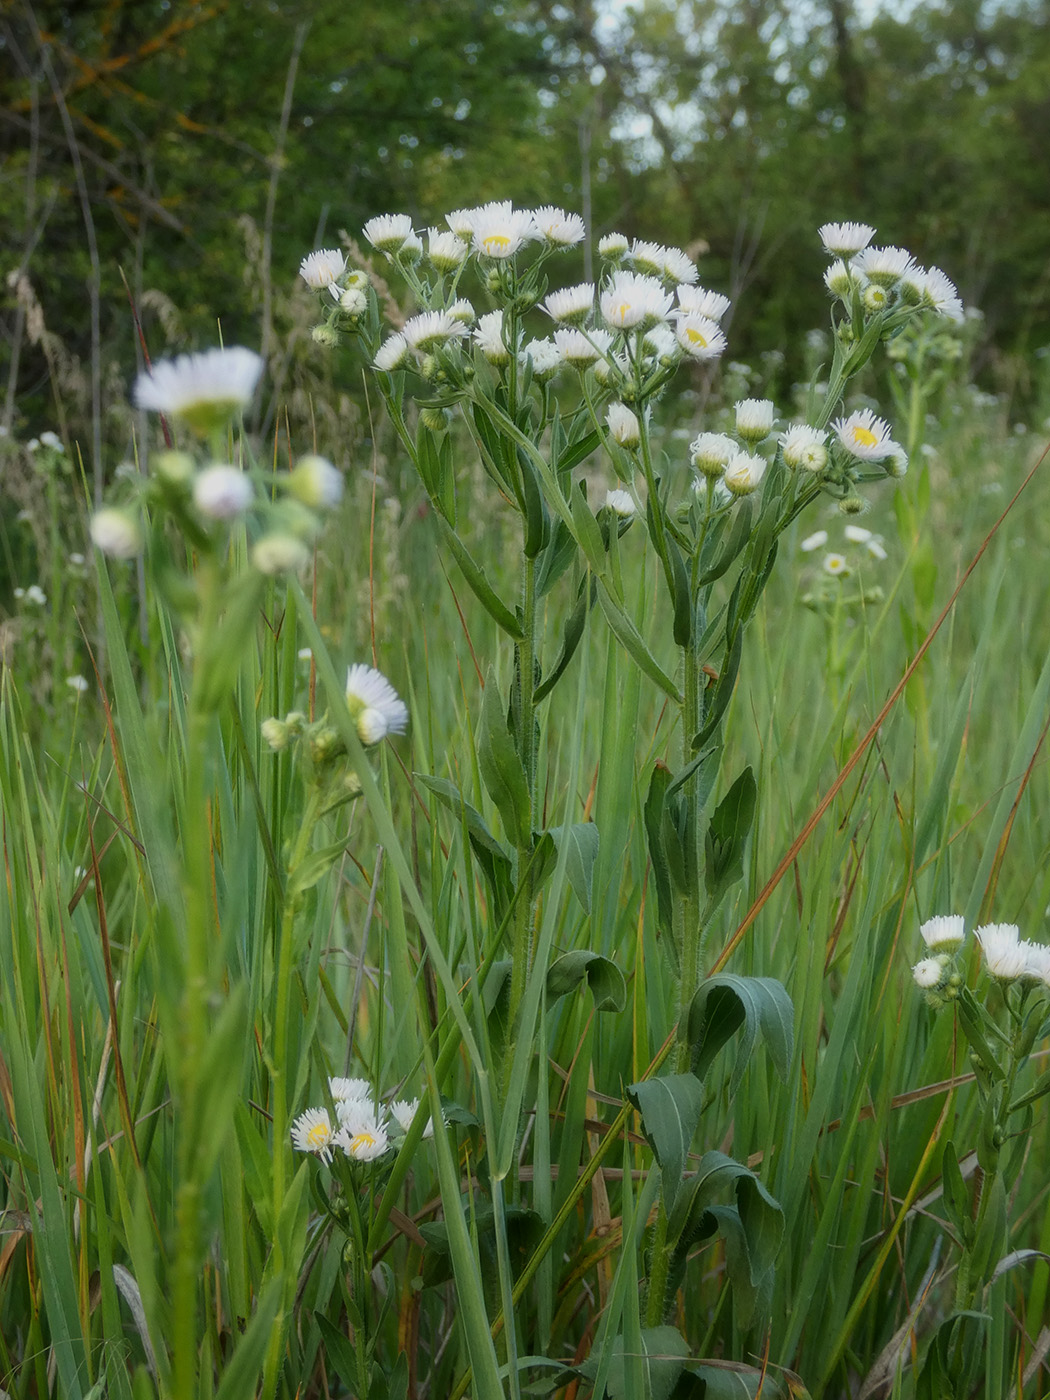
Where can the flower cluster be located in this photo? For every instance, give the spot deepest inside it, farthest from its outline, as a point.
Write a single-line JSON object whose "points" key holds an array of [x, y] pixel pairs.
{"points": [[364, 1129], [1006, 955], [374, 706], [205, 391], [883, 279]]}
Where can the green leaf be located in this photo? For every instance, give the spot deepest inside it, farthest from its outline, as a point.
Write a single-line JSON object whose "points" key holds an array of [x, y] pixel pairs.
{"points": [[682, 629], [991, 1234], [574, 454], [607, 983], [571, 637], [556, 558], [956, 1196], [339, 1353], [727, 835], [971, 1017], [653, 816], [314, 868], [670, 1109], [588, 531], [479, 584], [501, 767], [625, 632], [579, 843], [733, 1380], [240, 1374], [721, 1004], [739, 534], [537, 521], [666, 1353]]}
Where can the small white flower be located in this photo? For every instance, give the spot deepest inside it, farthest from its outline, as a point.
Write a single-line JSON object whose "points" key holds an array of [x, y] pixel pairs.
{"points": [[116, 533], [876, 548], [279, 554], [363, 1132], [462, 310], [53, 440], [389, 233], [488, 335], [843, 240], [393, 353], [222, 492], [557, 228], [445, 250], [754, 419], [461, 222], [613, 246], [678, 266], [621, 503], [660, 343], [322, 268], [944, 932], [817, 540], [374, 704], [274, 734], [352, 300], [623, 425], [884, 266], [939, 294], [632, 300], [744, 473], [1037, 962], [572, 305], [77, 683], [839, 280], [77, 560], [344, 1090], [803, 448], [545, 357], [500, 230], [700, 337], [316, 482], [205, 389], [1004, 954], [35, 594], [896, 463], [312, 1132], [864, 435], [928, 974], [836, 565], [699, 302], [580, 350], [711, 453], [404, 1111], [430, 330]]}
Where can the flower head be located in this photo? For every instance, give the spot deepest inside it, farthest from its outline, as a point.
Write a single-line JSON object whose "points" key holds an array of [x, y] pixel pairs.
{"points": [[312, 1132], [343, 1090], [374, 704], [316, 482], [836, 565], [864, 435], [322, 268], [544, 356], [711, 453], [621, 503], [843, 240], [389, 233], [1004, 953], [884, 266], [699, 302], [556, 228], [116, 533], [631, 300], [363, 1131], [944, 932], [939, 294], [403, 1112], [839, 280], [613, 246], [744, 473], [499, 230], [580, 350], [1037, 962], [623, 425], [205, 390], [77, 683], [754, 419], [445, 250], [803, 448], [571, 306], [393, 354], [488, 335], [928, 974], [817, 540], [430, 330], [222, 492], [700, 337]]}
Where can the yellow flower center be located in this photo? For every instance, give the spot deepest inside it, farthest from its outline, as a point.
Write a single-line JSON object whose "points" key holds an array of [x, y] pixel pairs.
{"points": [[361, 1142], [865, 437], [695, 338], [318, 1136], [621, 312], [496, 243]]}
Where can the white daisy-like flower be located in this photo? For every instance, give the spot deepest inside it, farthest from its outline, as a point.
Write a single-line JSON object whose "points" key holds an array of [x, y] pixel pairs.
{"points": [[613, 246], [343, 1090], [488, 336], [1004, 954], [884, 266], [316, 482], [700, 337], [462, 310], [389, 233], [614, 369], [500, 230], [944, 932], [52, 440], [939, 294], [817, 540], [374, 704], [660, 343], [571, 306], [544, 356], [647, 258], [363, 1131], [803, 448], [35, 594], [843, 240], [621, 503], [864, 435], [632, 300], [876, 548], [393, 354], [403, 1112], [77, 683], [312, 1132], [623, 425], [856, 534], [580, 350], [928, 974], [352, 300], [1037, 962], [836, 565], [461, 222], [710, 453], [896, 462], [206, 389], [678, 266], [445, 250], [744, 473], [698, 301], [558, 229], [839, 280], [322, 268], [754, 419], [116, 533], [431, 329], [222, 492]]}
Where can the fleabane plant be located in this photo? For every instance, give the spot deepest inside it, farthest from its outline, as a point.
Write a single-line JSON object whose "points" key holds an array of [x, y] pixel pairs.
{"points": [[539, 379]]}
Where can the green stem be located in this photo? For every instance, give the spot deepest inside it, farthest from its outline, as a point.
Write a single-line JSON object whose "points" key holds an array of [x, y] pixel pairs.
{"points": [[522, 929]]}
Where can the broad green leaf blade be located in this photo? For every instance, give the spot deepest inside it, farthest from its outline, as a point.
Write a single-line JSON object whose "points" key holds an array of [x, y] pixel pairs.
{"points": [[764, 1008], [607, 983], [670, 1107]]}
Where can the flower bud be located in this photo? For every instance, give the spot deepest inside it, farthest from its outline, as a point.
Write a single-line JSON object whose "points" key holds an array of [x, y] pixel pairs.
{"points": [[116, 533], [175, 468], [327, 336], [275, 734], [316, 482], [279, 554]]}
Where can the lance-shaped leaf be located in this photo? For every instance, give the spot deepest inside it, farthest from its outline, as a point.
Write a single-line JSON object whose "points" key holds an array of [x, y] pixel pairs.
{"points": [[724, 1003], [556, 558], [727, 835], [489, 853], [631, 640], [733, 543], [607, 983], [653, 814], [666, 1353], [670, 1110], [537, 520], [571, 637], [579, 841], [588, 531], [955, 1195], [501, 767], [479, 584]]}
